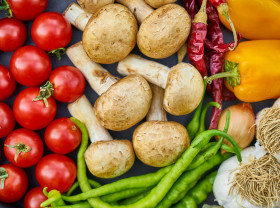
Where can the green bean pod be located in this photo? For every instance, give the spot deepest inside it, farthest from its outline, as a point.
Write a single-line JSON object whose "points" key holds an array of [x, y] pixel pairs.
{"points": [[199, 193]]}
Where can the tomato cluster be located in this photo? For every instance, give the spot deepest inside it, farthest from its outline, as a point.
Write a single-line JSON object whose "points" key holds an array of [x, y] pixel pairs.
{"points": [[35, 107]]}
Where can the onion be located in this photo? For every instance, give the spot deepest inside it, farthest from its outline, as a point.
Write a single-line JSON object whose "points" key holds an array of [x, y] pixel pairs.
{"points": [[242, 124]]}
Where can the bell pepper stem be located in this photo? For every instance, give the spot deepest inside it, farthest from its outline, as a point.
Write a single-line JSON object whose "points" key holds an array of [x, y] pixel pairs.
{"points": [[231, 74], [224, 10]]}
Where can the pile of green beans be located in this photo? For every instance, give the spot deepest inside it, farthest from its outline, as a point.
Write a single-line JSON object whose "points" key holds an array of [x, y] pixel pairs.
{"points": [[161, 189]]}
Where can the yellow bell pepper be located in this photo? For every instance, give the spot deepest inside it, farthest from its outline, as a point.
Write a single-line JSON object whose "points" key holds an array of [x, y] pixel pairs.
{"points": [[252, 70], [255, 19]]}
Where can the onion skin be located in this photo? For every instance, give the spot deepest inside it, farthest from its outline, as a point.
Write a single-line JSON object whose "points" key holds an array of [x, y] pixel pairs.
{"points": [[242, 124]]}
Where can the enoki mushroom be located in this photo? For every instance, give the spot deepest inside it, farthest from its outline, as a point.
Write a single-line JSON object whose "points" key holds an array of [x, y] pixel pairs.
{"points": [[268, 130], [258, 182]]}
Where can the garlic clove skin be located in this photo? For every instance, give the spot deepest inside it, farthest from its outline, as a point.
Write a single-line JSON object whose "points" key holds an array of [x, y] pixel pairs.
{"points": [[226, 173]]}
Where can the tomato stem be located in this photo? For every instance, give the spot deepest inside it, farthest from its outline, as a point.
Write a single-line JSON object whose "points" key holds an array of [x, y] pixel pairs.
{"points": [[46, 91], [58, 52], [3, 176], [20, 147], [5, 6]]}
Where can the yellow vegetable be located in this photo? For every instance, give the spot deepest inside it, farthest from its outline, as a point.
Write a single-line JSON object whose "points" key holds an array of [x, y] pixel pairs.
{"points": [[255, 19]]}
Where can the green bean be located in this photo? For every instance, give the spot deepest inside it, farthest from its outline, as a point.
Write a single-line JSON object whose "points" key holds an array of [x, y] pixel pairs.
{"points": [[134, 199], [92, 183], [194, 124], [54, 198], [159, 192], [78, 205], [199, 193], [183, 184]]}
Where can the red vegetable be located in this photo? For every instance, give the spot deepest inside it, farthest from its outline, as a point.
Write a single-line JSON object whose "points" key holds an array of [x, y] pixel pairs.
{"points": [[62, 136], [24, 9], [23, 148], [7, 83], [7, 120], [51, 32], [196, 40], [34, 198], [191, 6], [30, 66], [14, 183], [56, 172], [68, 83], [33, 114], [222, 7], [12, 34]]}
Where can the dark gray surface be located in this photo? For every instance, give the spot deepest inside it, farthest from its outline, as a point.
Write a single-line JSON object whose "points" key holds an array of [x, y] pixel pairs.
{"points": [[138, 168]]}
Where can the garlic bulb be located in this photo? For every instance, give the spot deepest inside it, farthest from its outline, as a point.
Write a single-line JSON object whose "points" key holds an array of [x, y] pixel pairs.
{"points": [[243, 185]]}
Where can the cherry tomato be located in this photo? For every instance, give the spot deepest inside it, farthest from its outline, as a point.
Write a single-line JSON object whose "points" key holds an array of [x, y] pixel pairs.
{"points": [[15, 184], [23, 148], [12, 34], [62, 136], [7, 83], [56, 172], [30, 66], [68, 83], [27, 9], [7, 120], [33, 114], [34, 198], [51, 31]]}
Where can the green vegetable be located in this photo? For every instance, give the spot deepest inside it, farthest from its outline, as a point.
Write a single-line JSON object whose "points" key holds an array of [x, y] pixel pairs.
{"points": [[194, 124], [92, 183], [199, 193], [54, 198]]}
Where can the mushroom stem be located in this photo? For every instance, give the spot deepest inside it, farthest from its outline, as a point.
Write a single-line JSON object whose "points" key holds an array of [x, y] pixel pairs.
{"points": [[82, 110], [152, 71], [157, 112], [99, 78], [77, 16], [138, 7]]}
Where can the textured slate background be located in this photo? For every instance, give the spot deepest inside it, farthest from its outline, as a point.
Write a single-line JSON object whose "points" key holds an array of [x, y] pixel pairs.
{"points": [[138, 168]]}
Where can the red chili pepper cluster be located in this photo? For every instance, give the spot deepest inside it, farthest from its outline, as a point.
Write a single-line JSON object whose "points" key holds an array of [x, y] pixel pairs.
{"points": [[208, 34]]}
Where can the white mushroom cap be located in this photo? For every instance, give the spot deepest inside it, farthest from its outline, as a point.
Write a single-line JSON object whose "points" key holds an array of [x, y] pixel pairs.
{"points": [[159, 3], [93, 5], [160, 143], [124, 104], [109, 159]]}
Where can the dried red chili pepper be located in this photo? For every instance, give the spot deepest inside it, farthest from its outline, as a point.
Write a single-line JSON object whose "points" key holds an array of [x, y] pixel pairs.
{"points": [[191, 6], [221, 48], [196, 40], [222, 7]]}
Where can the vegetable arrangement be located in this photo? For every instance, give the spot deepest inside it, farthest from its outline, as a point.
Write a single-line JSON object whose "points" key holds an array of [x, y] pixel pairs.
{"points": [[184, 153]]}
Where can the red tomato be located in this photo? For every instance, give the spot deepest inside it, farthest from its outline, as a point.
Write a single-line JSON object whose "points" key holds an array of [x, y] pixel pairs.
{"points": [[7, 83], [15, 185], [34, 198], [56, 172], [33, 114], [51, 31], [27, 9], [7, 120], [12, 34], [62, 136], [29, 146], [30, 66], [68, 83]]}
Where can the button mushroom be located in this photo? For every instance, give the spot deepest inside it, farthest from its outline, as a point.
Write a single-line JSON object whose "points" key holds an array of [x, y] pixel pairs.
{"points": [[163, 31], [122, 104], [109, 34], [159, 3], [93, 5], [105, 157], [183, 84], [159, 142]]}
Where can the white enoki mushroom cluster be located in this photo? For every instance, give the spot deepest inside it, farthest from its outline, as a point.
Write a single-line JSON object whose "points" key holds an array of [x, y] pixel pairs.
{"points": [[258, 182]]}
